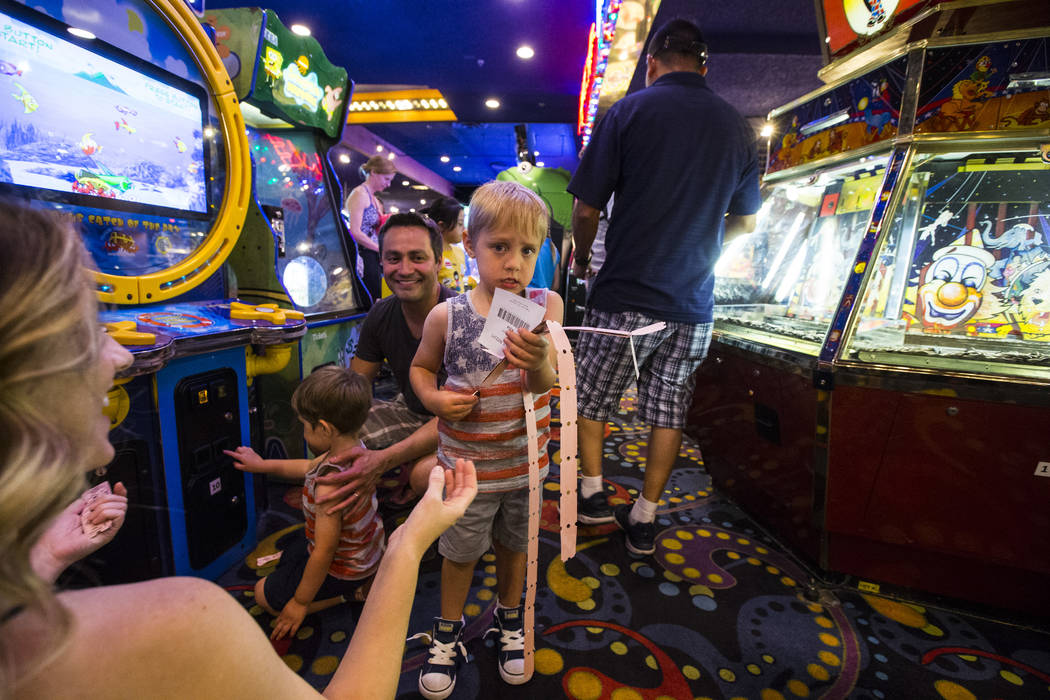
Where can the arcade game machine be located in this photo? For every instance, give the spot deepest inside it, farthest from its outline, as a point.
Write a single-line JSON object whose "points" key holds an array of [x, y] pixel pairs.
{"points": [[294, 249], [128, 124], [876, 391]]}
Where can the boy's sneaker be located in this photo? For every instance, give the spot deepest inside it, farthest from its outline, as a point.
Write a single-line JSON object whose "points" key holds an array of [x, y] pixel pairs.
{"points": [[511, 629], [640, 537], [437, 678], [593, 510]]}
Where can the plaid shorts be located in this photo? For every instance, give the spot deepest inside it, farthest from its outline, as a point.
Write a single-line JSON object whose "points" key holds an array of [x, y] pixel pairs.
{"points": [[390, 422], [667, 361]]}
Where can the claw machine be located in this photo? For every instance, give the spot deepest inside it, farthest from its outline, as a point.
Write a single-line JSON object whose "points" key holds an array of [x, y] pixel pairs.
{"points": [[877, 388], [295, 249]]}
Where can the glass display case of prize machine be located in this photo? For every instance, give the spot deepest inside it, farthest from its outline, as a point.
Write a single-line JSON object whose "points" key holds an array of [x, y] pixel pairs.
{"points": [[876, 393], [131, 128], [294, 250]]}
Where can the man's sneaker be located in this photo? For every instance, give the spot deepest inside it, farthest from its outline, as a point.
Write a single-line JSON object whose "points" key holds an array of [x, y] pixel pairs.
{"points": [[640, 537], [510, 626], [437, 678], [593, 510]]}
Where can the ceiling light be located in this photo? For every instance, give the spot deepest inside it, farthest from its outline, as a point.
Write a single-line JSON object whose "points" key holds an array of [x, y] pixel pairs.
{"points": [[344, 158], [767, 130], [492, 103], [535, 153], [82, 33], [422, 201], [379, 148], [395, 210], [456, 168], [391, 155], [445, 159], [405, 183], [525, 51], [300, 29], [539, 164]]}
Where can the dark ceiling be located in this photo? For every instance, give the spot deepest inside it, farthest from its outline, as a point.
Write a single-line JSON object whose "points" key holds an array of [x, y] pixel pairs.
{"points": [[763, 53]]}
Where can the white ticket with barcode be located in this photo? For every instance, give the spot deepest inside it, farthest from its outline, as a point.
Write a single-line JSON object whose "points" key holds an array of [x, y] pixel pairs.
{"points": [[508, 312]]}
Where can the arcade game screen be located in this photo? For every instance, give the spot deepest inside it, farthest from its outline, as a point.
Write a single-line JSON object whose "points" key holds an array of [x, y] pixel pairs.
{"points": [[785, 279], [964, 272], [311, 263], [83, 126]]}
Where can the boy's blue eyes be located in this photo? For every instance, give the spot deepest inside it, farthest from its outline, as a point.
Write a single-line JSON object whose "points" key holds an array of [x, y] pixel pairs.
{"points": [[500, 248]]}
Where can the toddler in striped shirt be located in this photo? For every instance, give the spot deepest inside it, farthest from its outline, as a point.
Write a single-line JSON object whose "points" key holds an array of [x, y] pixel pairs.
{"points": [[339, 555]]}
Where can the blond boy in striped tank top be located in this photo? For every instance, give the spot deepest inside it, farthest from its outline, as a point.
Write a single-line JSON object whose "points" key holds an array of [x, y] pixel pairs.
{"points": [[508, 223], [340, 553]]}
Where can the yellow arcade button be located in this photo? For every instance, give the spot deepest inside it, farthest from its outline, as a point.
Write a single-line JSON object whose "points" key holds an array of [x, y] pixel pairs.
{"points": [[124, 333], [263, 312]]}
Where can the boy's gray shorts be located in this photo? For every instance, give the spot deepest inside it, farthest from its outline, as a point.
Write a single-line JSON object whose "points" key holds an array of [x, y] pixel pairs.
{"points": [[502, 515]]}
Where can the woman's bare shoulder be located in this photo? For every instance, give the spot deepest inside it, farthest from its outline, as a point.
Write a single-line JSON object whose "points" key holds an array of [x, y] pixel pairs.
{"points": [[160, 638], [358, 193]]}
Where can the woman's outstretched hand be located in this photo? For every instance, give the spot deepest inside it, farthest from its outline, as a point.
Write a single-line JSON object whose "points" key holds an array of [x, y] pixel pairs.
{"points": [[435, 513]]}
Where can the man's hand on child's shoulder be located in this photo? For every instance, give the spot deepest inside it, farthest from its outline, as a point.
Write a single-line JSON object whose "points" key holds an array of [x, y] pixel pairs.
{"points": [[245, 458], [360, 469]]}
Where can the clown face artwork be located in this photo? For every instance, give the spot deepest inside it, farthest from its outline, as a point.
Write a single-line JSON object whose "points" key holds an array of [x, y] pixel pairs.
{"points": [[950, 286], [866, 17]]}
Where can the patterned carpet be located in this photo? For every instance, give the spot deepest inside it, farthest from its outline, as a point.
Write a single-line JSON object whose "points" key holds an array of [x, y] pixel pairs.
{"points": [[720, 611]]}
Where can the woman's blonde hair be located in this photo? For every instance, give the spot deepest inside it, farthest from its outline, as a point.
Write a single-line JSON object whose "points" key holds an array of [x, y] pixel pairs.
{"points": [[48, 327], [508, 205], [379, 164]]}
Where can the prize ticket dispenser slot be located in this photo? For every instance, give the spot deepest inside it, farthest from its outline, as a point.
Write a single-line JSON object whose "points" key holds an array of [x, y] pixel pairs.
{"points": [[213, 490]]}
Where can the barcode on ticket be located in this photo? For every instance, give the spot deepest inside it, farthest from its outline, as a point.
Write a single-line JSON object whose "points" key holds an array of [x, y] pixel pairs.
{"points": [[510, 318]]}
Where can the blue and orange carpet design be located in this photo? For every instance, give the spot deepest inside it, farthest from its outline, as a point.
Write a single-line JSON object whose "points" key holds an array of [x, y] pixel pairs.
{"points": [[720, 611]]}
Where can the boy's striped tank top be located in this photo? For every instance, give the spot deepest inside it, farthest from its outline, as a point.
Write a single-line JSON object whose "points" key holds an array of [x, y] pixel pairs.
{"points": [[493, 435], [362, 538]]}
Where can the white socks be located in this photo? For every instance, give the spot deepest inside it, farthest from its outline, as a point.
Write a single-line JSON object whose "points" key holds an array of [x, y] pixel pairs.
{"points": [[643, 511], [590, 485]]}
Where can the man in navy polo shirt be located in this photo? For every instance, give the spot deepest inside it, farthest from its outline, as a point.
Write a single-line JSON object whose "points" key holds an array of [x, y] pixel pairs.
{"points": [[683, 166]]}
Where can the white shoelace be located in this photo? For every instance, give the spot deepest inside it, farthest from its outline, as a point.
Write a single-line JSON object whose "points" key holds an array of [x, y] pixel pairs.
{"points": [[441, 653], [510, 640]]}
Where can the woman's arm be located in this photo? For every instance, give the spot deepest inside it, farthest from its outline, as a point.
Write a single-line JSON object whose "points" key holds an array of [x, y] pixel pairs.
{"points": [[356, 204], [171, 637]]}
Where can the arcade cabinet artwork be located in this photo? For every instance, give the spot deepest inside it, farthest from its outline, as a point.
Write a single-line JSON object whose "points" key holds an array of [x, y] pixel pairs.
{"points": [[876, 391], [294, 247], [153, 166]]}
